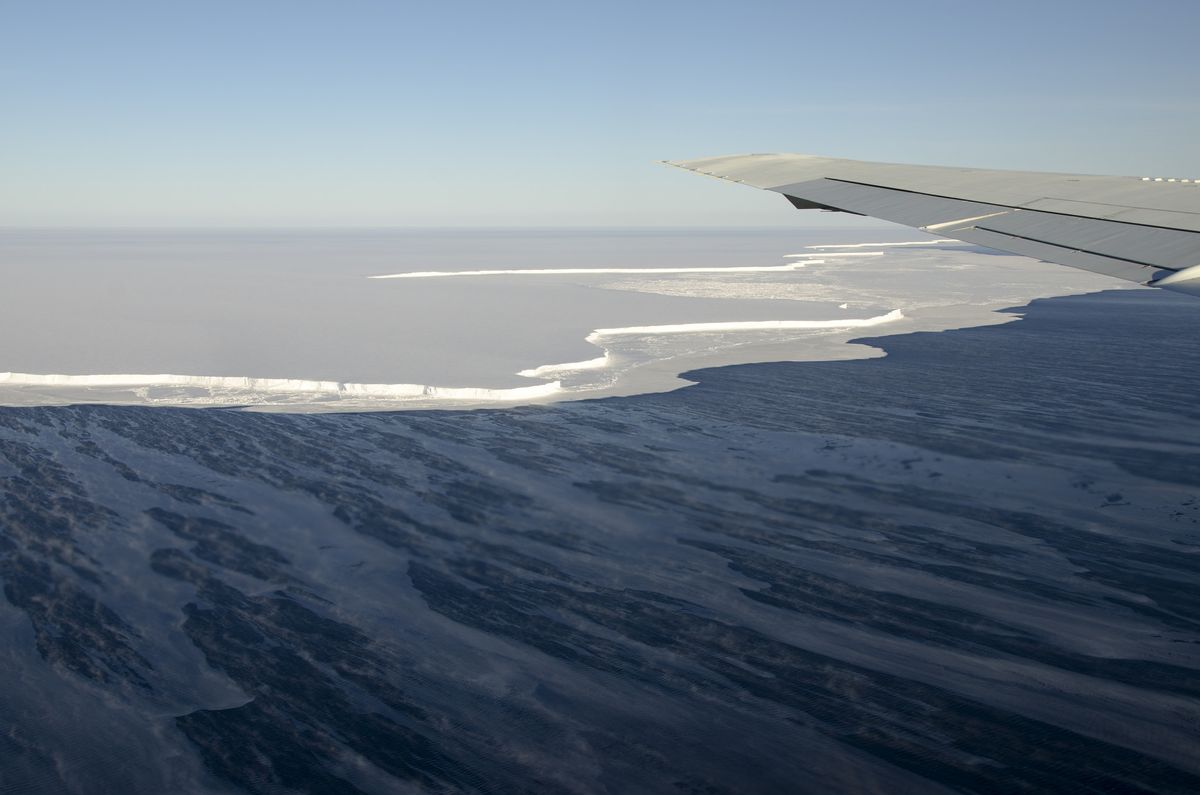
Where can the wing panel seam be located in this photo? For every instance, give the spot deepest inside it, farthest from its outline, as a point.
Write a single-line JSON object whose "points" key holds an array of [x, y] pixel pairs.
{"points": [[1077, 250], [1110, 204]]}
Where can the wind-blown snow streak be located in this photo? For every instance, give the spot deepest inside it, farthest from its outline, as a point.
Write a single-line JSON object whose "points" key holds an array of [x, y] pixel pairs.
{"points": [[747, 325], [326, 389], [882, 245], [791, 266]]}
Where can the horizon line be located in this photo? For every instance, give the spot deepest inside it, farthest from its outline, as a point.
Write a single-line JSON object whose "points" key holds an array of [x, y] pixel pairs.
{"points": [[427, 227]]}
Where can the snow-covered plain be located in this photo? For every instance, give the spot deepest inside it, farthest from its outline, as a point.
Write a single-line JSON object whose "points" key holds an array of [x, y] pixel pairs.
{"points": [[306, 321]]}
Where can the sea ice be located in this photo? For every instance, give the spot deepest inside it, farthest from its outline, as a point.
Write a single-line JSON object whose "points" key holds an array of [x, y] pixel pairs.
{"points": [[288, 321]]}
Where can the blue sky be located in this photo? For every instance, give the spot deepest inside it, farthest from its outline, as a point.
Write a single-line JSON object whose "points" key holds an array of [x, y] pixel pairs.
{"points": [[355, 112]]}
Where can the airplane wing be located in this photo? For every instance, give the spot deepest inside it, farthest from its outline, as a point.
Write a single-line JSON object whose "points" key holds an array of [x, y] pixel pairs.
{"points": [[1143, 229]]}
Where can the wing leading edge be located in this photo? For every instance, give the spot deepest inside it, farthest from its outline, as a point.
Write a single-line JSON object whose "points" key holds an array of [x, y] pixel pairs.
{"points": [[1140, 229]]}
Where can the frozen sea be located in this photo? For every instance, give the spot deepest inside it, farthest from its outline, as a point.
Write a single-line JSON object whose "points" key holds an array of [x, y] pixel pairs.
{"points": [[303, 321], [964, 560]]}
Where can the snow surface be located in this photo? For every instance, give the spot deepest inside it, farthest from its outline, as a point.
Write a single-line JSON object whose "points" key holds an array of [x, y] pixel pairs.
{"points": [[290, 323]]}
